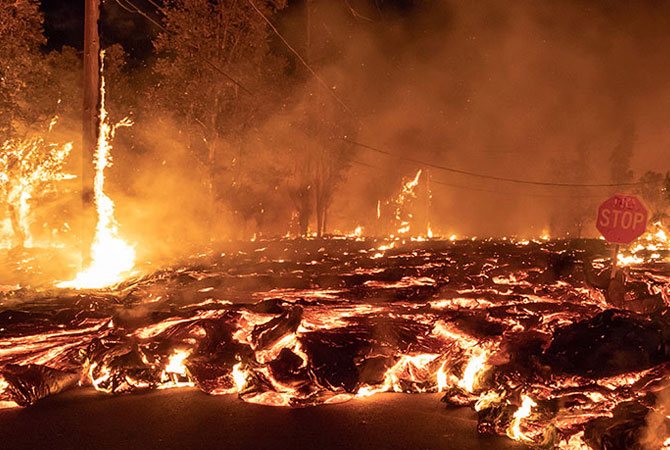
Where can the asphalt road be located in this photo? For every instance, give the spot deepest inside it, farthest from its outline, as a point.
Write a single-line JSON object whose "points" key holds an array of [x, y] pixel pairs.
{"points": [[189, 419]]}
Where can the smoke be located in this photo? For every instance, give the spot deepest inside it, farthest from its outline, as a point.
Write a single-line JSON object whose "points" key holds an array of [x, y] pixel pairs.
{"points": [[535, 91], [162, 205], [657, 430], [566, 92]]}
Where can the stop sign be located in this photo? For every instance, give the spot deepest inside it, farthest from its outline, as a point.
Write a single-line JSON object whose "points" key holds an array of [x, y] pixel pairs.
{"points": [[622, 219]]}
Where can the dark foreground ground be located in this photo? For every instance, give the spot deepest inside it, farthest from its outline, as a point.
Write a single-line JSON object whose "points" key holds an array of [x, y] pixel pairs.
{"points": [[188, 419]]}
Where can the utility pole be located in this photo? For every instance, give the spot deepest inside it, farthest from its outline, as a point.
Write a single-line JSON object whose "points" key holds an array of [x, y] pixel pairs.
{"points": [[90, 124]]}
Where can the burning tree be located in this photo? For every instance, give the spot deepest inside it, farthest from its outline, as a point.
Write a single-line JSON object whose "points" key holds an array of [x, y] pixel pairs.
{"points": [[35, 89], [28, 168]]}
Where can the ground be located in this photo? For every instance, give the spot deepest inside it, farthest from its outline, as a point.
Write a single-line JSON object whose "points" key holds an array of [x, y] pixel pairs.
{"points": [[528, 333], [189, 419]]}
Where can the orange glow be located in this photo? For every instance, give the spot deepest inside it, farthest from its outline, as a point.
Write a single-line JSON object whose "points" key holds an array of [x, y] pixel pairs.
{"points": [[514, 430], [239, 376], [442, 378], [112, 258], [406, 193], [475, 368], [4, 385]]}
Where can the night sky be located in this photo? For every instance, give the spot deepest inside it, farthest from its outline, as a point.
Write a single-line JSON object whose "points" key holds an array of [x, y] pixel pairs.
{"points": [[64, 24], [64, 21]]}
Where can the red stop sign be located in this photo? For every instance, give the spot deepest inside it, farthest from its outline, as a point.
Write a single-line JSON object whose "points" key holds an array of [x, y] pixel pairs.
{"points": [[622, 219]]}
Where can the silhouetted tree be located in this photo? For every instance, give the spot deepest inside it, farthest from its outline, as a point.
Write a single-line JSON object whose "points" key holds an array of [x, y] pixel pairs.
{"points": [[22, 64], [213, 62], [654, 191]]}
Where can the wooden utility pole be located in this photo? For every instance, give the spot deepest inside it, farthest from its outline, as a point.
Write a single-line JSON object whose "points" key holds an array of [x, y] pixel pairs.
{"points": [[90, 125]]}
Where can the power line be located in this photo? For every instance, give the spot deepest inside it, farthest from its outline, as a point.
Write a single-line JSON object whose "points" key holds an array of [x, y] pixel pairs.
{"points": [[522, 194], [137, 10], [125, 8], [369, 147], [300, 58], [488, 177], [205, 60], [490, 191], [237, 83]]}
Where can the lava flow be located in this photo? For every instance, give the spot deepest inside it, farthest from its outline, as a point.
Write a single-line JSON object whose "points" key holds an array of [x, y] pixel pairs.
{"points": [[523, 332]]}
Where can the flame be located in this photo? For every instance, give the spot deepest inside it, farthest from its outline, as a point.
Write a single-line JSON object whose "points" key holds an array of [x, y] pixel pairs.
{"points": [[239, 376], [651, 247], [4, 386], [175, 374], [175, 363], [475, 368], [442, 378], [26, 165], [111, 257], [486, 399], [385, 247], [407, 192], [627, 260], [97, 380], [409, 368], [576, 442], [410, 185], [514, 430]]}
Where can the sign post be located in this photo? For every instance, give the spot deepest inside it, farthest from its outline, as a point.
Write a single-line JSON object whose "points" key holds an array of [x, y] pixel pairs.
{"points": [[615, 260], [621, 219]]}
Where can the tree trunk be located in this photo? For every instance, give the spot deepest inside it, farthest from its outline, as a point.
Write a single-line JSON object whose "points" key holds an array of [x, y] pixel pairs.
{"points": [[304, 211], [19, 235], [318, 194], [324, 222]]}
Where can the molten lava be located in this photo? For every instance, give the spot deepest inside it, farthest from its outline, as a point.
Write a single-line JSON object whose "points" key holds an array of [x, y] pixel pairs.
{"points": [[519, 331]]}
